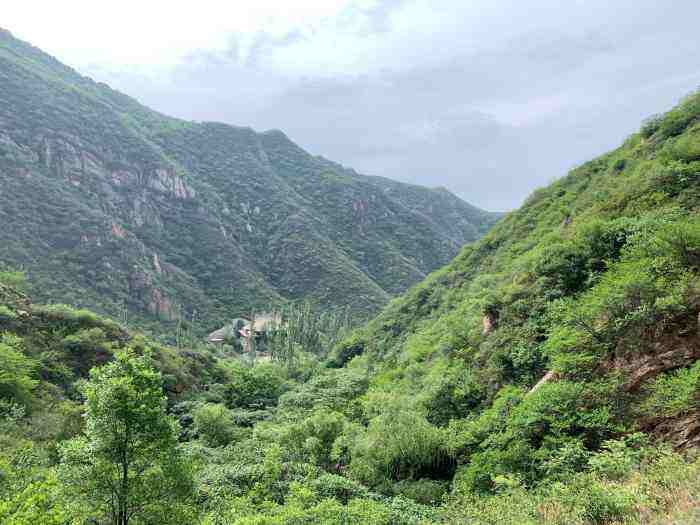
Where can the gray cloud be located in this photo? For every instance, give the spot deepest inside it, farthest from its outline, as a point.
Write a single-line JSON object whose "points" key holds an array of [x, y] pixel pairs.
{"points": [[499, 99]]}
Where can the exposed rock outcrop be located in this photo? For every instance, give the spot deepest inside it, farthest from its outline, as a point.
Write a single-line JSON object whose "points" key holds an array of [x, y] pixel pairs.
{"points": [[489, 322], [168, 181], [652, 353], [161, 306], [682, 432], [548, 377], [669, 352]]}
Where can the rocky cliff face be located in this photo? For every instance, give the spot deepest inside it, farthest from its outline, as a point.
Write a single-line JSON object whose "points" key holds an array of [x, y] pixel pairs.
{"points": [[110, 205], [680, 432]]}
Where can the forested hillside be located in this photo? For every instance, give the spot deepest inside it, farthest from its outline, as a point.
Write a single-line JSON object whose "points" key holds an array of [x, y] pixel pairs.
{"points": [[547, 350], [549, 374], [108, 205]]}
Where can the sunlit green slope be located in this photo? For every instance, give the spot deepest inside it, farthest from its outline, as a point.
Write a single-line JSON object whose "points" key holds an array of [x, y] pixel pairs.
{"points": [[591, 286]]}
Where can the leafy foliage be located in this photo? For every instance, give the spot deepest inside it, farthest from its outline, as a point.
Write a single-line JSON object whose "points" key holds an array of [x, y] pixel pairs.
{"points": [[127, 465], [532, 380], [214, 425], [17, 372], [254, 387]]}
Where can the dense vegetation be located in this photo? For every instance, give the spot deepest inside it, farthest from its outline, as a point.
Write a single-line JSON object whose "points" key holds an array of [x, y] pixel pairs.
{"points": [[549, 374], [108, 205]]}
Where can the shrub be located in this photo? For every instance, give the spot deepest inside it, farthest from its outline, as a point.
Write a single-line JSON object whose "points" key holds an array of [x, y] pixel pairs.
{"points": [[672, 247], [15, 280], [568, 459], [455, 394], [17, 371], [36, 502], [544, 432], [6, 314], [346, 350], [673, 393], [86, 348], [618, 458], [424, 491], [312, 439], [686, 147], [651, 125], [333, 389], [214, 425], [586, 500], [254, 387], [400, 445], [338, 487], [619, 165], [408, 512]]}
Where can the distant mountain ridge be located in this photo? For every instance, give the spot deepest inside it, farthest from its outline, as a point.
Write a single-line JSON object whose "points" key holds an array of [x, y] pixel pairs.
{"points": [[110, 205]]}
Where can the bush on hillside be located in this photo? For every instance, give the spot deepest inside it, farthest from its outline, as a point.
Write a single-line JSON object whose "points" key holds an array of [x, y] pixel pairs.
{"points": [[254, 387]]}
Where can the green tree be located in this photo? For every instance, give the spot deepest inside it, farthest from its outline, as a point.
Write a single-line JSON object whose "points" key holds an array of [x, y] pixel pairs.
{"points": [[15, 280], [254, 387], [16, 371], [214, 424], [128, 461]]}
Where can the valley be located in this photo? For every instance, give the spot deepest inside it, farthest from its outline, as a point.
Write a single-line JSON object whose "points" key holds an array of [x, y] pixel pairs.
{"points": [[205, 324]]}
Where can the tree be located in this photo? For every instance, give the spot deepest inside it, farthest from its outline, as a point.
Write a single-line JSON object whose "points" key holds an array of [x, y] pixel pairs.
{"points": [[254, 388], [214, 424], [128, 461], [16, 371], [15, 280]]}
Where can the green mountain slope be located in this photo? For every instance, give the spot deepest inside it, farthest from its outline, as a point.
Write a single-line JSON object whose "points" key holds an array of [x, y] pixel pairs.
{"points": [[550, 374], [109, 205], [573, 321]]}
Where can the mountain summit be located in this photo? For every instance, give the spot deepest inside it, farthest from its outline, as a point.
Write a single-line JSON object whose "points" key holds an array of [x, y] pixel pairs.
{"points": [[110, 205]]}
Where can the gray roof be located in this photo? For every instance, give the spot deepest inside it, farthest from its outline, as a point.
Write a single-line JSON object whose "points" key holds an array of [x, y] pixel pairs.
{"points": [[219, 335], [262, 322]]}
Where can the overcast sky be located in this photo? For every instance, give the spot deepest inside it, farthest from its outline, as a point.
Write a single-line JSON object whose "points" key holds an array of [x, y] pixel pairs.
{"points": [[489, 98]]}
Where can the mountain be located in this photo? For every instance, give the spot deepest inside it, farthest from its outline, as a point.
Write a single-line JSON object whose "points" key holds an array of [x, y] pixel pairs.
{"points": [[574, 321], [107, 204], [549, 374]]}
